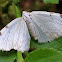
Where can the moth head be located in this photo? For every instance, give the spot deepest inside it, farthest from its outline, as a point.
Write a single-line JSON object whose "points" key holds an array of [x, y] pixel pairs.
{"points": [[26, 15]]}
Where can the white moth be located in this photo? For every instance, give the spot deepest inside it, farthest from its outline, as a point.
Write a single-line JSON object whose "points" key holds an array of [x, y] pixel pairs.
{"points": [[43, 26]]}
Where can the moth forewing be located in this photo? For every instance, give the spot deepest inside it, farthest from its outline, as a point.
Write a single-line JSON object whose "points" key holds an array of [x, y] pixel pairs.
{"points": [[15, 36], [6, 44], [49, 26], [24, 37], [30, 24], [42, 37]]}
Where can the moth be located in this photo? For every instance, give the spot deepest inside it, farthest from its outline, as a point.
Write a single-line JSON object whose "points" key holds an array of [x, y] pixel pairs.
{"points": [[43, 26]]}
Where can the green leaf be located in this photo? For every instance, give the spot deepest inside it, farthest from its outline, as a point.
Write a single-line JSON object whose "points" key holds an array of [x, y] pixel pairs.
{"points": [[51, 1], [16, 1], [12, 10], [56, 44], [44, 55], [7, 56], [18, 13], [3, 3]]}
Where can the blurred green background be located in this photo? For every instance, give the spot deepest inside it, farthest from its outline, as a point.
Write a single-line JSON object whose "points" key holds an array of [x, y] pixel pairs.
{"points": [[7, 8]]}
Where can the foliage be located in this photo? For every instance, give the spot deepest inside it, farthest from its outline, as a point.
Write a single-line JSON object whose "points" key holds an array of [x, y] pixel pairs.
{"points": [[16, 1], [44, 55], [56, 44], [18, 13], [9, 56], [51, 1], [3, 3], [11, 9]]}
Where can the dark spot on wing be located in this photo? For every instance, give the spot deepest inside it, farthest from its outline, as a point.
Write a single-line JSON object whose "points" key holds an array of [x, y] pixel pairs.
{"points": [[30, 18], [51, 13], [0, 33], [61, 15], [6, 26], [29, 15], [23, 17]]}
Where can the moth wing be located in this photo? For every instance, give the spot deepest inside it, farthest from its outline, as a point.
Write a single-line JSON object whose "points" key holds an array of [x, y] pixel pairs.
{"points": [[41, 36], [15, 36], [47, 23], [24, 37], [4, 33]]}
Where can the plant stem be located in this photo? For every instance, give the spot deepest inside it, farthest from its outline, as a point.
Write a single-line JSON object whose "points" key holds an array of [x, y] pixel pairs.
{"points": [[19, 56]]}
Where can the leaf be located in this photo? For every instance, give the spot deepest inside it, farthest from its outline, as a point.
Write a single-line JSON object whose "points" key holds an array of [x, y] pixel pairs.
{"points": [[51, 1], [16, 1], [56, 44], [44, 55], [3, 3], [18, 13], [7, 56], [12, 10]]}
